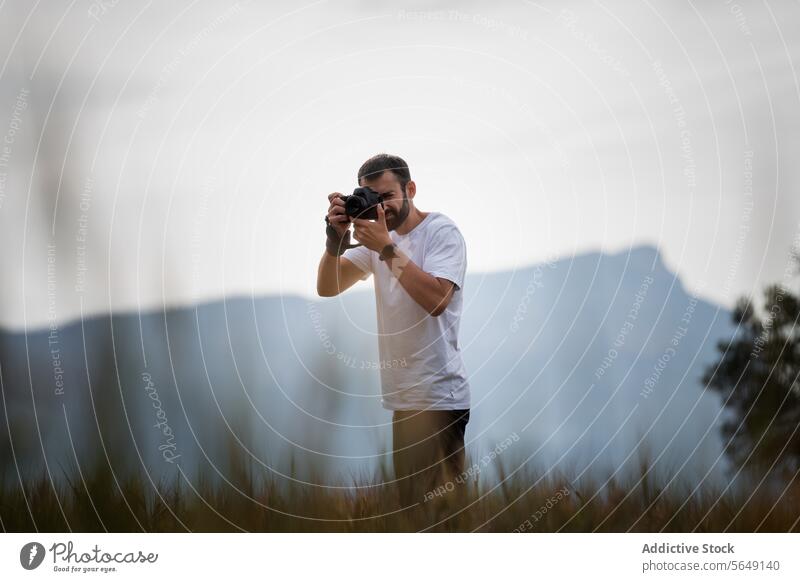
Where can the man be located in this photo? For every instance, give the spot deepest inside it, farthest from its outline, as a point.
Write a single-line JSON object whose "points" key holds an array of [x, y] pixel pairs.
{"points": [[419, 261]]}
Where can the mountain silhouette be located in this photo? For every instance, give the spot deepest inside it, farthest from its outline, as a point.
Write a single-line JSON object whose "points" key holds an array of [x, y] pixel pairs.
{"points": [[583, 358]]}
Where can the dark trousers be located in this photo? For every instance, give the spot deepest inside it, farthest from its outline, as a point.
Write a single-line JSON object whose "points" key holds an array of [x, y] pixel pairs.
{"points": [[427, 450]]}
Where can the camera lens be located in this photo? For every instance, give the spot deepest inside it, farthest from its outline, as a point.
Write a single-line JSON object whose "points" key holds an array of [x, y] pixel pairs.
{"points": [[354, 206], [361, 204]]}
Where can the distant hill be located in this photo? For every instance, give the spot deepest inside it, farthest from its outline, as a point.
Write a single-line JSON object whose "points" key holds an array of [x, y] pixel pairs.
{"points": [[581, 358]]}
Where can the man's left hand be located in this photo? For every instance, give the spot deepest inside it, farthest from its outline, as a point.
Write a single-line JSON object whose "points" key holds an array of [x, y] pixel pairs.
{"points": [[373, 234]]}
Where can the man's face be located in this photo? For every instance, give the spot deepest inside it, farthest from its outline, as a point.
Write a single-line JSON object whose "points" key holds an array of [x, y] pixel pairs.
{"points": [[395, 202]]}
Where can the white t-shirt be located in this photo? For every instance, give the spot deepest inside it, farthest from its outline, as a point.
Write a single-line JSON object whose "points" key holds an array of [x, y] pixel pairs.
{"points": [[421, 366]]}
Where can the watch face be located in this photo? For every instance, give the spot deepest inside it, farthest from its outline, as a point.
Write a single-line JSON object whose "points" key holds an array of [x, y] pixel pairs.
{"points": [[388, 252]]}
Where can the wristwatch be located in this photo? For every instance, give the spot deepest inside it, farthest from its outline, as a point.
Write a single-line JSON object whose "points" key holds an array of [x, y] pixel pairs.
{"points": [[387, 252]]}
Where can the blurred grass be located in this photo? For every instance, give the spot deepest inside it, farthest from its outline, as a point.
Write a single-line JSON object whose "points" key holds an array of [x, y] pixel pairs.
{"points": [[97, 501]]}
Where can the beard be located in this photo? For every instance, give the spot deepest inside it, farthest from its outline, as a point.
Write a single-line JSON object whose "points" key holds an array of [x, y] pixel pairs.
{"points": [[393, 221]]}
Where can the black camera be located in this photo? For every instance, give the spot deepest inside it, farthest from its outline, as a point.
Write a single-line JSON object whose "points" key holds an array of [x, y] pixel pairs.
{"points": [[362, 203]]}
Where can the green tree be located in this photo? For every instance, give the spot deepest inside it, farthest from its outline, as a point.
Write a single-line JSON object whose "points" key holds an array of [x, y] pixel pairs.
{"points": [[757, 376]]}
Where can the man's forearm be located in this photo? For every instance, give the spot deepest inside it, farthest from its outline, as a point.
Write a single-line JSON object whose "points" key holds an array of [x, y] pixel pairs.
{"points": [[328, 275], [423, 287]]}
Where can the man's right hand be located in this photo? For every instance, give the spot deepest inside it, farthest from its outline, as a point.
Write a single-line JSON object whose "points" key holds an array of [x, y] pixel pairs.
{"points": [[337, 274], [336, 214]]}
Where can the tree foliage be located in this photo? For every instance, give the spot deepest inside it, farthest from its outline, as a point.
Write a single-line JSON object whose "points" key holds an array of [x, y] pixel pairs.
{"points": [[757, 376]]}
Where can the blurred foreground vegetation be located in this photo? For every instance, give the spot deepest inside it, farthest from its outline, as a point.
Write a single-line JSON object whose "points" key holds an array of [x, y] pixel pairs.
{"points": [[522, 502]]}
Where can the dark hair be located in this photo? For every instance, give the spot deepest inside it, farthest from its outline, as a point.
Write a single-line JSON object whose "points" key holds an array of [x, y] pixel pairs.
{"points": [[377, 165]]}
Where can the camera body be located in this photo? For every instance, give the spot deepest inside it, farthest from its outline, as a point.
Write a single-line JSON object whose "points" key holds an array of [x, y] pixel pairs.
{"points": [[362, 203]]}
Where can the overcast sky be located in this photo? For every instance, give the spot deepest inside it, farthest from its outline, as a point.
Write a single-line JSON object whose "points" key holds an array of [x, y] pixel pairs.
{"points": [[163, 153]]}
